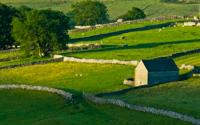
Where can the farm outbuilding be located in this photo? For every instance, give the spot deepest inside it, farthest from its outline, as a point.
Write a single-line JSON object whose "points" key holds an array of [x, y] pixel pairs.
{"points": [[153, 72]]}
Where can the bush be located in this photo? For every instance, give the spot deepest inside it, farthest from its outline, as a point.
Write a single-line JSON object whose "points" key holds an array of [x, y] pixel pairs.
{"points": [[90, 12], [133, 14]]}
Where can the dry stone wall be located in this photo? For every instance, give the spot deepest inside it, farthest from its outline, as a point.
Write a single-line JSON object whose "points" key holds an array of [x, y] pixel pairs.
{"points": [[162, 112], [9, 50], [123, 31], [8, 59], [100, 61], [88, 28], [180, 54], [65, 94], [32, 63]]}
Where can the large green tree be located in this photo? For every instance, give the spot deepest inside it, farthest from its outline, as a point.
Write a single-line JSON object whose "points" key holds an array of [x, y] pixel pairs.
{"points": [[6, 15], [134, 13], [41, 31], [89, 12]]}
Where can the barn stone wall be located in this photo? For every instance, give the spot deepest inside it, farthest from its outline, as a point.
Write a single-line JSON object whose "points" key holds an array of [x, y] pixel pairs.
{"points": [[155, 78], [141, 75]]}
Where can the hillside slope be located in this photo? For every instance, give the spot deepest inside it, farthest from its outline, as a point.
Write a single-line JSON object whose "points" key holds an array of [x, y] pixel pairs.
{"points": [[152, 8]]}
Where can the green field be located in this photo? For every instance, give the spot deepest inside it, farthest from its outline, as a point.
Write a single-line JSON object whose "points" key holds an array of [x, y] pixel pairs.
{"points": [[116, 8], [105, 30], [11, 54], [143, 44], [40, 108], [181, 96], [192, 59], [95, 77], [21, 61]]}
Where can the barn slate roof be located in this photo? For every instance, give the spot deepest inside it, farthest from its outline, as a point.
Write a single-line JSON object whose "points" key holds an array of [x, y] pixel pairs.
{"points": [[160, 65]]}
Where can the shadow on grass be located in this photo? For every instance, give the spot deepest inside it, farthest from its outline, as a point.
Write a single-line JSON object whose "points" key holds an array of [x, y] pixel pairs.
{"points": [[100, 36], [138, 46]]}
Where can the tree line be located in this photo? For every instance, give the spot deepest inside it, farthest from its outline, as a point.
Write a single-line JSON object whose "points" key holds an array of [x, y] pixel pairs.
{"points": [[40, 31]]}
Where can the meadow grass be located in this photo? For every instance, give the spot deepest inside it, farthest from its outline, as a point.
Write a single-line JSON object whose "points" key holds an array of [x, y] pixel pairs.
{"points": [[95, 77], [192, 59], [116, 8], [10, 54], [180, 96], [146, 44], [38, 108], [118, 28], [22, 61]]}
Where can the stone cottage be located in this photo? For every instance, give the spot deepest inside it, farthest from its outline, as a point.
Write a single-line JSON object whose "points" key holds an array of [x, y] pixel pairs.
{"points": [[153, 72]]}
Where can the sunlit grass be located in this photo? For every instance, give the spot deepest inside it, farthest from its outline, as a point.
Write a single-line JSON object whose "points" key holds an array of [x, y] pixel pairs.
{"points": [[192, 59], [143, 44], [181, 96], [95, 77]]}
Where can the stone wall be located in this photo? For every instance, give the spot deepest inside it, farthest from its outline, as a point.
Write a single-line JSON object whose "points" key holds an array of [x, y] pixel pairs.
{"points": [[9, 50], [122, 31], [32, 63], [8, 59], [65, 94], [100, 61], [152, 110], [88, 28], [180, 54]]}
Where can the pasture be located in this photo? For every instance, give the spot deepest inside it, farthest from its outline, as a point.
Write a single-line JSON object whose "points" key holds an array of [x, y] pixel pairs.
{"points": [[116, 8], [34, 107], [192, 59], [180, 96], [37, 108], [145, 44], [92, 78]]}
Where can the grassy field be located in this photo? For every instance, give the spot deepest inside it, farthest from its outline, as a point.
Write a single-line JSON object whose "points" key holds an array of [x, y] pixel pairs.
{"points": [[105, 30], [116, 8], [38, 108], [181, 96], [21, 61], [143, 44], [10, 54], [192, 59], [95, 77]]}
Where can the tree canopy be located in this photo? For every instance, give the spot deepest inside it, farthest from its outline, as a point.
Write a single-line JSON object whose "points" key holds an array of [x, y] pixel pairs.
{"points": [[41, 31], [133, 14], [6, 15], [89, 12]]}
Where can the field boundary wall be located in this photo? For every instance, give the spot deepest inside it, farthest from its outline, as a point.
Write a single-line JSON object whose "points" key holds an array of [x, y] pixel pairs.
{"points": [[66, 95], [89, 28], [123, 31], [152, 110], [32, 63]]}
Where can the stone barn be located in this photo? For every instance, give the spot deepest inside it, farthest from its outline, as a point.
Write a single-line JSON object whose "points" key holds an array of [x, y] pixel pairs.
{"points": [[153, 72]]}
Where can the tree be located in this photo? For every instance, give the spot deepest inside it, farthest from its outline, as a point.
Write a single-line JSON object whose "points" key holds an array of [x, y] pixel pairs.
{"points": [[41, 31], [90, 12], [133, 14], [6, 15]]}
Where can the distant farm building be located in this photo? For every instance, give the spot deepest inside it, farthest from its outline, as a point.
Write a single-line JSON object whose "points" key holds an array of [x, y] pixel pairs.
{"points": [[153, 72]]}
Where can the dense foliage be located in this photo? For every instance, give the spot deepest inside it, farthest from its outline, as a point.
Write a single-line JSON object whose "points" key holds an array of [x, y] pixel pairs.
{"points": [[6, 15], [133, 14], [90, 12], [41, 31]]}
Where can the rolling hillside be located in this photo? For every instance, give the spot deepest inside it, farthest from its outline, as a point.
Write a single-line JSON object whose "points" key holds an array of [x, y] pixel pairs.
{"points": [[152, 8]]}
